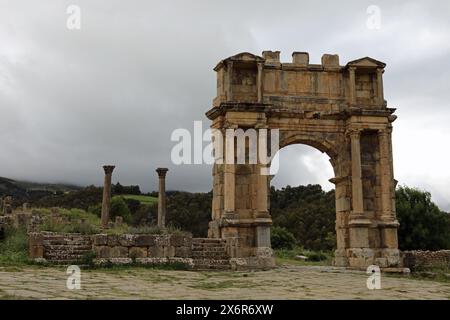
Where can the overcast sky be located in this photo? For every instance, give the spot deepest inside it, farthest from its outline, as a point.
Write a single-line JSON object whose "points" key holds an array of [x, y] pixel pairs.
{"points": [[113, 91]]}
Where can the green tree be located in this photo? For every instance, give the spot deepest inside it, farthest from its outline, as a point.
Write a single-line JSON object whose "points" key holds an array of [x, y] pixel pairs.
{"points": [[281, 238], [119, 208], [422, 224]]}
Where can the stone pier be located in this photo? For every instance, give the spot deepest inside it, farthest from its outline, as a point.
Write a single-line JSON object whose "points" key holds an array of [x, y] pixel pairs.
{"points": [[106, 203], [162, 197]]}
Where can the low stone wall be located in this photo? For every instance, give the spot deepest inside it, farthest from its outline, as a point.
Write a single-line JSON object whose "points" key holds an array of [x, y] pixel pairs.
{"points": [[142, 246], [197, 253], [426, 259]]}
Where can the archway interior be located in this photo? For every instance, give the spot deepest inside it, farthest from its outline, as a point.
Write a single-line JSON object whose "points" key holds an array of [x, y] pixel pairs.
{"points": [[300, 164], [303, 202]]}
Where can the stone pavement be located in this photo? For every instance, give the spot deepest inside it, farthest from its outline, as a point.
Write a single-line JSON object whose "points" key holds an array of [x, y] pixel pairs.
{"points": [[286, 282]]}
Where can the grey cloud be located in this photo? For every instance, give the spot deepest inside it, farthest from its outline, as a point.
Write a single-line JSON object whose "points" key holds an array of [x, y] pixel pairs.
{"points": [[114, 91]]}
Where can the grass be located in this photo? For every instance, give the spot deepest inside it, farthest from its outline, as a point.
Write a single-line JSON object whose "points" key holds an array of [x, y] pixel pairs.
{"points": [[315, 258], [14, 248], [141, 198]]}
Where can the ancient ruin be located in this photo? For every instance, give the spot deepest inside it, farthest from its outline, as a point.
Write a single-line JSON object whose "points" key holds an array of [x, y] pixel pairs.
{"points": [[162, 197], [339, 110], [106, 203]]}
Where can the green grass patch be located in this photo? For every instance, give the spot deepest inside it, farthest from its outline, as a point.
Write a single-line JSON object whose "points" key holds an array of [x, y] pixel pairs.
{"points": [[315, 258], [14, 248], [141, 198]]}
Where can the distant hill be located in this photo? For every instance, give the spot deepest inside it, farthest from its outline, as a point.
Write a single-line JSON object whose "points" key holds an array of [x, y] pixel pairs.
{"points": [[23, 191]]}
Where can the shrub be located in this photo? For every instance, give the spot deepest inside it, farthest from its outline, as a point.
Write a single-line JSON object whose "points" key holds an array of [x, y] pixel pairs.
{"points": [[282, 238], [14, 248]]}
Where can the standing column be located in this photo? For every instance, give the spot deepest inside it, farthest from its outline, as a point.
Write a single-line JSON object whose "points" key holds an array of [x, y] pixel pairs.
{"points": [[262, 193], [162, 197], [380, 94], [357, 188], [352, 85], [386, 178], [230, 80], [259, 82], [106, 203]]}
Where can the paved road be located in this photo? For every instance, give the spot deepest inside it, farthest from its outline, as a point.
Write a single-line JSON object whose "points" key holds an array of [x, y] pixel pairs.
{"points": [[287, 282]]}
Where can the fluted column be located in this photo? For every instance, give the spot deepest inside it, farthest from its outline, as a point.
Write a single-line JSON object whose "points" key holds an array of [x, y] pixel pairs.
{"points": [[386, 178], [162, 197], [380, 93], [106, 203], [259, 82], [352, 85], [357, 188], [230, 80]]}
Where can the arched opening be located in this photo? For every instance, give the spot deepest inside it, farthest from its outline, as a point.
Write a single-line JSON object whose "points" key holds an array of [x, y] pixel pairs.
{"points": [[302, 199]]}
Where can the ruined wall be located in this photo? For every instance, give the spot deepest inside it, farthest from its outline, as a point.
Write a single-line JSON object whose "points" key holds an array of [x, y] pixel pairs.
{"points": [[196, 253], [426, 259]]}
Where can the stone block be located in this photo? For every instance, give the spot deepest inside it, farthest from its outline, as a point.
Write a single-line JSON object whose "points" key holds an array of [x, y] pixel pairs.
{"points": [[300, 58], [113, 240], [183, 252], [144, 240], [100, 240], [176, 240], [156, 251], [330, 60], [138, 252], [119, 252], [36, 252], [127, 240], [162, 240], [102, 251], [169, 251]]}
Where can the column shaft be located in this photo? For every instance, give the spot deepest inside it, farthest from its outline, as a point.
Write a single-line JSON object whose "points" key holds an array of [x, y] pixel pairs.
{"points": [[162, 197], [357, 188], [106, 203], [386, 178]]}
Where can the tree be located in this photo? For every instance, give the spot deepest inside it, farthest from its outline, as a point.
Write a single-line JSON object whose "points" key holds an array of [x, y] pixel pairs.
{"points": [[422, 225]]}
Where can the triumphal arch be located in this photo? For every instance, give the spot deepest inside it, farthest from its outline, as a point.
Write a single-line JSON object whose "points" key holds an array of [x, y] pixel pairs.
{"points": [[341, 111]]}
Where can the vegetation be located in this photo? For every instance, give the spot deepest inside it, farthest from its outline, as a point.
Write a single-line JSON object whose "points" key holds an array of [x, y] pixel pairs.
{"points": [[308, 213], [312, 257], [142, 199], [14, 247], [422, 225], [281, 238]]}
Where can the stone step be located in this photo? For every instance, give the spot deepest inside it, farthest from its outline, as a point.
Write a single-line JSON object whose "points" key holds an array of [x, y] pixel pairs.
{"points": [[69, 248], [209, 256], [207, 240], [213, 267], [212, 262]]}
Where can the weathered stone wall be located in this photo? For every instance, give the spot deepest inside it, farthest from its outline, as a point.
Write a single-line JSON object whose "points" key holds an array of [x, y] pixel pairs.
{"points": [[426, 259], [128, 248], [142, 246]]}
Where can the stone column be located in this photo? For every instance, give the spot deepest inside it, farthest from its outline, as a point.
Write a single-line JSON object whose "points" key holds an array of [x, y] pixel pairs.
{"points": [[380, 94], [162, 197], [259, 82], [229, 189], [230, 80], [357, 188], [262, 193], [106, 203], [352, 85], [386, 178]]}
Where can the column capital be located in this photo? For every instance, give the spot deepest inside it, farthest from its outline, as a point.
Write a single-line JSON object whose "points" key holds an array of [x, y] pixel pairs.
{"points": [[380, 71], [162, 172], [384, 132], [108, 169], [353, 132], [352, 69]]}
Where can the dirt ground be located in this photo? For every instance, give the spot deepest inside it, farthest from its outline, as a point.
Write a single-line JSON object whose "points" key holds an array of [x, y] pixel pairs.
{"points": [[284, 282]]}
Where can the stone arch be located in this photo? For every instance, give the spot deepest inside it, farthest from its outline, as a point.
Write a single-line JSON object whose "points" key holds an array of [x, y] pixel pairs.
{"points": [[339, 110]]}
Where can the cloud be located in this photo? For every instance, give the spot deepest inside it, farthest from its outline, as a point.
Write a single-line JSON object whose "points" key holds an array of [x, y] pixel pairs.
{"points": [[114, 91]]}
